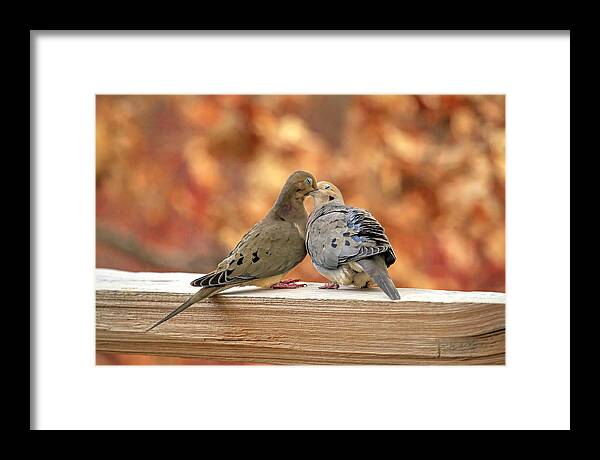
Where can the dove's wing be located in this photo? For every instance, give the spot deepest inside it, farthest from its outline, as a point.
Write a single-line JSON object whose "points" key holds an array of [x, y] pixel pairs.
{"points": [[271, 247], [337, 234]]}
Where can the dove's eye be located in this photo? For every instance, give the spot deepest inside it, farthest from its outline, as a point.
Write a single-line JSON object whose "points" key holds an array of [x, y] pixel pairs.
{"points": [[327, 187], [308, 181]]}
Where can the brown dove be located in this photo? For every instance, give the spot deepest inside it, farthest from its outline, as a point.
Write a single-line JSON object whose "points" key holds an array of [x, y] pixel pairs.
{"points": [[267, 252], [348, 245]]}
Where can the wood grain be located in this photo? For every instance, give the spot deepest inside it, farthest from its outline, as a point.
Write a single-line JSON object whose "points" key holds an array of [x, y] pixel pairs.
{"points": [[302, 326]]}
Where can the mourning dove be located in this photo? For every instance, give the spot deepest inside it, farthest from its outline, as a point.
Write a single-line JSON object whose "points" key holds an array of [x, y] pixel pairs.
{"points": [[267, 252], [347, 245]]}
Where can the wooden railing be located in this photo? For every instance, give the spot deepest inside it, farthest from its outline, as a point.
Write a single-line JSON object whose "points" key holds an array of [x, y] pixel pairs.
{"points": [[301, 326]]}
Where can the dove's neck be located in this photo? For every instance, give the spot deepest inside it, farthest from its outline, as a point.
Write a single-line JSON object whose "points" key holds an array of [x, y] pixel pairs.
{"points": [[290, 210], [324, 201]]}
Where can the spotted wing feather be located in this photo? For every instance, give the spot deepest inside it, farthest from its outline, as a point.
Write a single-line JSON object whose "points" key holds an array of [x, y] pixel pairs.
{"points": [[338, 234], [268, 249]]}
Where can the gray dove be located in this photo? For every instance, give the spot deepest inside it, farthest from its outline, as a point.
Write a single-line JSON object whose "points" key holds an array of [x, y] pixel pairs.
{"points": [[347, 245], [267, 252]]}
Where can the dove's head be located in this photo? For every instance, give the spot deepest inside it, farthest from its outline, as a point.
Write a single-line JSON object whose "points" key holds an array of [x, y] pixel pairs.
{"points": [[299, 185], [326, 192], [290, 202]]}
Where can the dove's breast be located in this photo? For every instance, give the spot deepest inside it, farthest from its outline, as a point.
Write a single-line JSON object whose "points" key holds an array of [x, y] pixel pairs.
{"points": [[348, 274], [288, 244]]}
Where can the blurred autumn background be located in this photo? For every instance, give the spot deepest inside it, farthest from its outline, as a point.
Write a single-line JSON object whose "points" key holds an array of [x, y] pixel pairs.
{"points": [[179, 179]]}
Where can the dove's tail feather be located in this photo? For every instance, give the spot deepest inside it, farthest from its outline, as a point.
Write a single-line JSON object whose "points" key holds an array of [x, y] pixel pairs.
{"points": [[203, 293], [376, 269]]}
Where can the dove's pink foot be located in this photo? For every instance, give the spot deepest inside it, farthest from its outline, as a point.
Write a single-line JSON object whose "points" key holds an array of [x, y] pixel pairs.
{"points": [[329, 286], [288, 284]]}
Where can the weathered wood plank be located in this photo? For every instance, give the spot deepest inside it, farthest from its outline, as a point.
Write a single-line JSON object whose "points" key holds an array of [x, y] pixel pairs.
{"points": [[306, 325]]}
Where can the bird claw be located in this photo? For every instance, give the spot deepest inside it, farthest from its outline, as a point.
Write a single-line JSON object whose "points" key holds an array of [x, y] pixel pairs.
{"points": [[288, 284], [330, 286]]}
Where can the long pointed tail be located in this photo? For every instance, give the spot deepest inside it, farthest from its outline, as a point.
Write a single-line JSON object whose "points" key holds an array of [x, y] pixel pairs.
{"points": [[376, 269], [203, 293]]}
